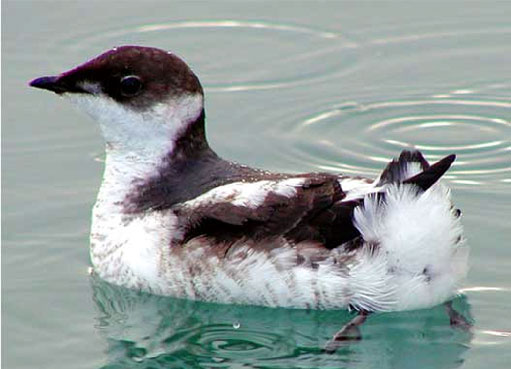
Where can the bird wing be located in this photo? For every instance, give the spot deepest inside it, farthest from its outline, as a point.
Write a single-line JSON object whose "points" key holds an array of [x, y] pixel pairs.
{"points": [[306, 208], [314, 207]]}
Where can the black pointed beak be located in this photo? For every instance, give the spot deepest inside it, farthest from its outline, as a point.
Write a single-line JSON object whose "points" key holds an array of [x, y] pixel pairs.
{"points": [[57, 84], [50, 83]]}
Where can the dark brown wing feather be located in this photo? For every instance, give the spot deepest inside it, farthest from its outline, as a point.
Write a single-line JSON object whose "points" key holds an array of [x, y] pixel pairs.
{"points": [[315, 213]]}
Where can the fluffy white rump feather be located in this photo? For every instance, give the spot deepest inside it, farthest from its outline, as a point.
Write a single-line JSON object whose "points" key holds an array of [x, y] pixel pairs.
{"points": [[420, 239]]}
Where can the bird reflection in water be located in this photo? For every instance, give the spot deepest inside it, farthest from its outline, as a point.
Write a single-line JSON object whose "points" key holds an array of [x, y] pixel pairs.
{"points": [[148, 331]]}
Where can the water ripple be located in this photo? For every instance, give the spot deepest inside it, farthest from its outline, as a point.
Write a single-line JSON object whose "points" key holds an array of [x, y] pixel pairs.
{"points": [[359, 137], [237, 24], [492, 31], [225, 342], [241, 55], [157, 332]]}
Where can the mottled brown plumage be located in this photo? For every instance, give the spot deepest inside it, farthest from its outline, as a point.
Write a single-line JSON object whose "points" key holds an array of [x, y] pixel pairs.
{"points": [[174, 218]]}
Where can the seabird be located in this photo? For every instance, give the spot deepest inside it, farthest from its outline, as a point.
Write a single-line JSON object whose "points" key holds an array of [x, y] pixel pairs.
{"points": [[173, 218]]}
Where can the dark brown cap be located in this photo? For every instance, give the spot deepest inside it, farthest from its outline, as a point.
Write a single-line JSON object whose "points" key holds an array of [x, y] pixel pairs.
{"points": [[135, 76]]}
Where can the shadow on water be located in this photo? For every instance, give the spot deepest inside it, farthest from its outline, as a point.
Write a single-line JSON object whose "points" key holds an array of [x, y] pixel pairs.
{"points": [[147, 331]]}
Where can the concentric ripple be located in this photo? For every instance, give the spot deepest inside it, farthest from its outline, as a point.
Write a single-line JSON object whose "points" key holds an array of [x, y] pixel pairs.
{"points": [[236, 55], [148, 331], [225, 342], [360, 138]]}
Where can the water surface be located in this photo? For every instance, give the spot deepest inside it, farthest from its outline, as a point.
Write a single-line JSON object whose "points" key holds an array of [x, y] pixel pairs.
{"points": [[337, 87]]}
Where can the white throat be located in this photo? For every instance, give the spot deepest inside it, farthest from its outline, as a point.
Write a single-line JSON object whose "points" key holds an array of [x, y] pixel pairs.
{"points": [[136, 141], [136, 144]]}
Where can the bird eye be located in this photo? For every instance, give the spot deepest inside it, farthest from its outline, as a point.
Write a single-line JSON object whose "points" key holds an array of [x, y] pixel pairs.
{"points": [[130, 86]]}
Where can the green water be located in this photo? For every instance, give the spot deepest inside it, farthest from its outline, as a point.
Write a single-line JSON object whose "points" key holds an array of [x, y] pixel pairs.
{"points": [[292, 87]]}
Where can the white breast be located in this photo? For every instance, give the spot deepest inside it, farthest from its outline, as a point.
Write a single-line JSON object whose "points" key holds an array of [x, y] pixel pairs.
{"points": [[127, 249]]}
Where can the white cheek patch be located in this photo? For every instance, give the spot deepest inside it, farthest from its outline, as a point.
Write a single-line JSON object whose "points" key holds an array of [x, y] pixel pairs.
{"points": [[136, 142], [91, 87], [152, 131]]}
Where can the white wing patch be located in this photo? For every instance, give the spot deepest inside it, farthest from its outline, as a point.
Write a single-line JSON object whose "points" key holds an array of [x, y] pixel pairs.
{"points": [[357, 188], [251, 195]]}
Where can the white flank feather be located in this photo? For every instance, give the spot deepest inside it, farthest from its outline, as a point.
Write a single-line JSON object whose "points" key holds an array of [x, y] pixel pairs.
{"points": [[420, 240]]}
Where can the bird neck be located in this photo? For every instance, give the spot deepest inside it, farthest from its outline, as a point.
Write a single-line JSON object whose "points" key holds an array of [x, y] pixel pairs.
{"points": [[129, 173]]}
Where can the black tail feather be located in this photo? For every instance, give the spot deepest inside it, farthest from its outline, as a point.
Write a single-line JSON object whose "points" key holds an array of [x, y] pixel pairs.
{"points": [[428, 177], [395, 171]]}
